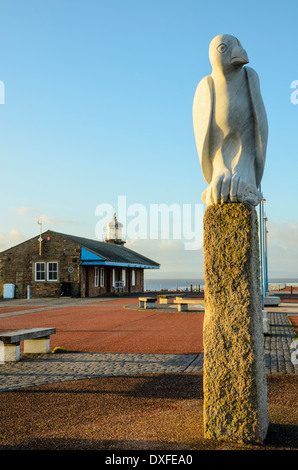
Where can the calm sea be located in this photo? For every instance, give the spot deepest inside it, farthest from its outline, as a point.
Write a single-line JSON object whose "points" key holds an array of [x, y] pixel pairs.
{"points": [[173, 284], [196, 284]]}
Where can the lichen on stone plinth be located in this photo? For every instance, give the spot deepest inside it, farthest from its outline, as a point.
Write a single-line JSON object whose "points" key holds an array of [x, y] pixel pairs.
{"points": [[235, 389]]}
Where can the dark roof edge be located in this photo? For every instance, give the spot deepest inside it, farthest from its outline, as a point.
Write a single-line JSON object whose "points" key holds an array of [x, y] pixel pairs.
{"points": [[80, 241]]}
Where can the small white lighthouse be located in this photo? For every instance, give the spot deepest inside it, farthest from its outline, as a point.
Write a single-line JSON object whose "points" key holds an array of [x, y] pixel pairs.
{"points": [[114, 232]]}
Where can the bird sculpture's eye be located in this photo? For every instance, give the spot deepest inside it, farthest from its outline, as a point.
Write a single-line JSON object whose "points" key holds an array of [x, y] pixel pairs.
{"points": [[222, 48]]}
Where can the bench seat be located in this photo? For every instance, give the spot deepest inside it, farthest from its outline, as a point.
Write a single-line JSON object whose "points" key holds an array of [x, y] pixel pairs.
{"points": [[36, 341], [144, 301], [183, 304], [163, 299]]}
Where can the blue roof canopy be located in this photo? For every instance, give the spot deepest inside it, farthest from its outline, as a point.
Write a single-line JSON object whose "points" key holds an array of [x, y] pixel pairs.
{"points": [[89, 258]]}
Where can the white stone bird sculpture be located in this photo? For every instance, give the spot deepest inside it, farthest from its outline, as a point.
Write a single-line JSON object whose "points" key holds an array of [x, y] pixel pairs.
{"points": [[230, 126]]}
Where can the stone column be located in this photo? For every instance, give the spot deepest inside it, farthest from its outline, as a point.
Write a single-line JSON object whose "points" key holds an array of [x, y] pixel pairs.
{"points": [[235, 389]]}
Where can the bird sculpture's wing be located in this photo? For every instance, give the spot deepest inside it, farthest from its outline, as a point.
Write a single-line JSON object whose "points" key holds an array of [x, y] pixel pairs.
{"points": [[202, 112], [261, 123]]}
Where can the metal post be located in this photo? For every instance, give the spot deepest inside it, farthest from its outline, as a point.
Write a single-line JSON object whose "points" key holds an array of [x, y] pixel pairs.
{"points": [[261, 222], [263, 251], [266, 254], [40, 239]]}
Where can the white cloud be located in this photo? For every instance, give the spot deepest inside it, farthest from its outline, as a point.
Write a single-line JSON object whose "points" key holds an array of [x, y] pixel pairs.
{"points": [[33, 215], [7, 240], [22, 211], [55, 221]]}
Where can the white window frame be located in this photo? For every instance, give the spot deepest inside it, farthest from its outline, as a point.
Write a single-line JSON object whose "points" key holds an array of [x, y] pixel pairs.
{"points": [[40, 271], [102, 277], [133, 277], [53, 271], [96, 277], [123, 277]]}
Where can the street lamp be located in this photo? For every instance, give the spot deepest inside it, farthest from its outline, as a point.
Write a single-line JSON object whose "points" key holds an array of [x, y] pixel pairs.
{"points": [[265, 231]]}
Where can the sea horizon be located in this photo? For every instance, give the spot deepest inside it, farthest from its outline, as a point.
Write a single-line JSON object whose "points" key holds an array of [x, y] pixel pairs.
{"points": [[160, 284]]}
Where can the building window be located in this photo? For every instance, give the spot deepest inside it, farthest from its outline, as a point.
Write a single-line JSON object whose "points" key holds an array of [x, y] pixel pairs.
{"points": [[102, 277], [96, 277], [123, 277], [113, 277], [40, 271], [133, 277], [52, 271]]}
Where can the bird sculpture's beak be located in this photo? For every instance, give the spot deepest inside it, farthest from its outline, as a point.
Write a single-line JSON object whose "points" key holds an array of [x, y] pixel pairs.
{"points": [[239, 56]]}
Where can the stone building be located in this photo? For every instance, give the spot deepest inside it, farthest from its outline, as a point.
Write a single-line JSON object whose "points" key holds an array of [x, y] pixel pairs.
{"points": [[56, 264]]}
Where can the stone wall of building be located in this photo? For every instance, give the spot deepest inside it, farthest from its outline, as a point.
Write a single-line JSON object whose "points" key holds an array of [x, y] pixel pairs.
{"points": [[17, 266]]}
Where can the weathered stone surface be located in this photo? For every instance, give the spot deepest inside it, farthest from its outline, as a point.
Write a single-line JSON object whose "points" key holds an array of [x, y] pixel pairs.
{"points": [[235, 389]]}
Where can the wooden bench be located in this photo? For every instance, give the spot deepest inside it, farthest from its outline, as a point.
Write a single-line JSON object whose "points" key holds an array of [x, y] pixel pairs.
{"points": [[144, 301], [36, 341], [183, 304]]}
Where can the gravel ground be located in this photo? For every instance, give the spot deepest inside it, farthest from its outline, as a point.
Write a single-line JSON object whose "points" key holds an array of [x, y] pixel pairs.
{"points": [[154, 412]]}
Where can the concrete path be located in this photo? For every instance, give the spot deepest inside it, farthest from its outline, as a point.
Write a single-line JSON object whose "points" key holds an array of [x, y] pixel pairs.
{"points": [[50, 368]]}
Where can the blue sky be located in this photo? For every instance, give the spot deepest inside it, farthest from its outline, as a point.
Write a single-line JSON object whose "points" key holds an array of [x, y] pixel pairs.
{"points": [[98, 104]]}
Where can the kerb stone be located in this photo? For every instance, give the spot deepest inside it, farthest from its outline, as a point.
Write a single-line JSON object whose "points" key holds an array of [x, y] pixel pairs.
{"points": [[235, 388]]}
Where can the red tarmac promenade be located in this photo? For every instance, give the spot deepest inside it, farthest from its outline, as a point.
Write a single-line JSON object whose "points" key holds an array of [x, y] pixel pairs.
{"points": [[109, 326]]}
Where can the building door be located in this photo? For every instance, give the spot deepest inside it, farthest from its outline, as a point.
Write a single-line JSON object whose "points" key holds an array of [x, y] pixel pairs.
{"points": [[65, 289]]}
